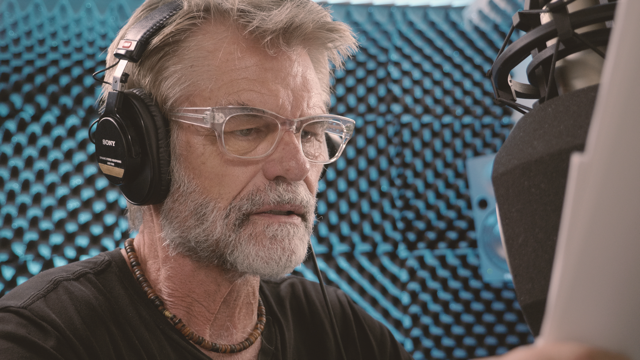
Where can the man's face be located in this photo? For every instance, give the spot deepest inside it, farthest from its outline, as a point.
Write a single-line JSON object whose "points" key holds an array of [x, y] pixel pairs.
{"points": [[249, 216]]}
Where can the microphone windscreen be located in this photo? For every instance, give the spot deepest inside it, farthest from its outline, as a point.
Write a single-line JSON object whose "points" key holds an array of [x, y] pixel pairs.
{"points": [[529, 178]]}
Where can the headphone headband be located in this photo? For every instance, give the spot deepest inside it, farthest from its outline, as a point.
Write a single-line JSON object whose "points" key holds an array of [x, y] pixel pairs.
{"points": [[135, 41]]}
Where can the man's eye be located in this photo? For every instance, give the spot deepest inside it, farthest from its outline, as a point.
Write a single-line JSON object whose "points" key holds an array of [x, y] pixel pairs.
{"points": [[313, 132], [306, 135], [245, 132], [309, 135]]}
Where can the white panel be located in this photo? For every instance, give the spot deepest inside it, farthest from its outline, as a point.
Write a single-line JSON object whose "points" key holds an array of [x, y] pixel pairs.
{"points": [[594, 295]]}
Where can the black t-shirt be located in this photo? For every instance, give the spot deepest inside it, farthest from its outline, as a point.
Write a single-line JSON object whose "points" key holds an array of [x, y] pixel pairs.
{"points": [[95, 309]]}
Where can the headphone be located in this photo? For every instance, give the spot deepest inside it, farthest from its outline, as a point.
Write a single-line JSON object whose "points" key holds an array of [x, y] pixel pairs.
{"points": [[132, 136]]}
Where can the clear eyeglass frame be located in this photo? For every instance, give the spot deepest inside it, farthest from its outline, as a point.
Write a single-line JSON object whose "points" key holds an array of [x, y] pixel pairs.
{"points": [[215, 118]]}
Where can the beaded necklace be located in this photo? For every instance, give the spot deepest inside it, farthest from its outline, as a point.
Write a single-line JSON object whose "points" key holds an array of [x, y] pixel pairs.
{"points": [[177, 322]]}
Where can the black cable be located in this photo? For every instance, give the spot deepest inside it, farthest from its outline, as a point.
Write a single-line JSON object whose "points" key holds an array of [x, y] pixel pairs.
{"points": [[336, 333], [101, 71], [515, 106], [506, 40], [90, 127], [584, 41], [552, 71], [504, 45]]}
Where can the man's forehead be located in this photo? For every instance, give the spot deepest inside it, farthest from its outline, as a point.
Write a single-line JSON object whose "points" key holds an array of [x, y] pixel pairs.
{"points": [[284, 86], [215, 38], [219, 56]]}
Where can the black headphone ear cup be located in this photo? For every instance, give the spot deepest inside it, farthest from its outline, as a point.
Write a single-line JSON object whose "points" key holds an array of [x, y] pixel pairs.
{"points": [[158, 141]]}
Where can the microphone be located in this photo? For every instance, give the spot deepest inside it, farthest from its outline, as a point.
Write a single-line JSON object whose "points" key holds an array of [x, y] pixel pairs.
{"points": [[566, 42]]}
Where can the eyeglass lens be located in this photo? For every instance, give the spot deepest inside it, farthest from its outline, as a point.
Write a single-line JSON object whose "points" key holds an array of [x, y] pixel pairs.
{"points": [[254, 135]]}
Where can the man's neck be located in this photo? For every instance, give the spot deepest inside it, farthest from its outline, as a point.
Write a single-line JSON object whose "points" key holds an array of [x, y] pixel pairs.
{"points": [[214, 304]]}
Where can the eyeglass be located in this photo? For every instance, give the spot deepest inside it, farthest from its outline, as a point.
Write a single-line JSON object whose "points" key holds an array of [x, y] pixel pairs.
{"points": [[252, 133]]}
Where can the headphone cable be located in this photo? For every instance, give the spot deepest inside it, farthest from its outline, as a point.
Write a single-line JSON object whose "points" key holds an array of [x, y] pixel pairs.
{"points": [[336, 334], [101, 71]]}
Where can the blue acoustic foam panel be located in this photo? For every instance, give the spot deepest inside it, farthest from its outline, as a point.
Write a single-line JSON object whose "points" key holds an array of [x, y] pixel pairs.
{"points": [[396, 231]]}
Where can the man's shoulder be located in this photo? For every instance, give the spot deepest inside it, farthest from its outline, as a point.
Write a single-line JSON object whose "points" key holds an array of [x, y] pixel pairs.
{"points": [[61, 281], [85, 310]]}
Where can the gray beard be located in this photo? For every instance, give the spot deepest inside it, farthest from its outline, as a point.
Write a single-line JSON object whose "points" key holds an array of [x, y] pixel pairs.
{"points": [[199, 228]]}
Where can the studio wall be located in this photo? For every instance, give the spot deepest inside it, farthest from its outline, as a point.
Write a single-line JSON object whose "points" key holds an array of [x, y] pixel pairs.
{"points": [[395, 228]]}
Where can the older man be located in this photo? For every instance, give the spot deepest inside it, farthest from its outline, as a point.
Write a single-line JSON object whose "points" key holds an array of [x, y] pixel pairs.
{"points": [[204, 277], [239, 214]]}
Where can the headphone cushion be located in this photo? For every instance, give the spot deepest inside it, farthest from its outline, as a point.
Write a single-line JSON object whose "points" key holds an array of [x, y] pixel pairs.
{"points": [[160, 139]]}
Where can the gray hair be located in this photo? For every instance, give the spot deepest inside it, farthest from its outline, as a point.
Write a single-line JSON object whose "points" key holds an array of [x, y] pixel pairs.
{"points": [[278, 25]]}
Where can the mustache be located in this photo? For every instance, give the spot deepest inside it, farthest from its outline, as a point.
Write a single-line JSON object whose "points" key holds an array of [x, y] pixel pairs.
{"points": [[274, 193]]}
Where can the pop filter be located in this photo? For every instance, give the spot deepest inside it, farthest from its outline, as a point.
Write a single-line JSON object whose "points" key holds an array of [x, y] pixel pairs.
{"points": [[529, 178]]}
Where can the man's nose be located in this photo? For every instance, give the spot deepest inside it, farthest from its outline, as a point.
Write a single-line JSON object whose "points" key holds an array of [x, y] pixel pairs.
{"points": [[287, 160]]}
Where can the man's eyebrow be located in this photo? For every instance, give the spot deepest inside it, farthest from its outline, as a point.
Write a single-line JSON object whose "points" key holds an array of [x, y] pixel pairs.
{"points": [[237, 102], [322, 109], [232, 102]]}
